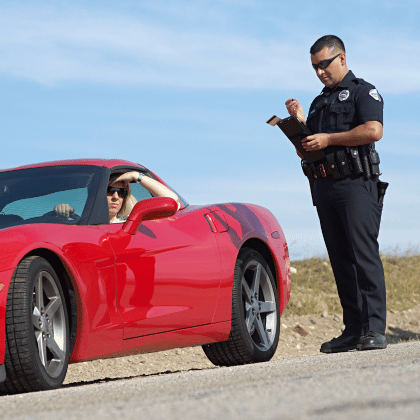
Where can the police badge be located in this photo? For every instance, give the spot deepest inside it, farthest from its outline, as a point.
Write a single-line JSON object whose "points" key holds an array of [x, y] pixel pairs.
{"points": [[343, 95]]}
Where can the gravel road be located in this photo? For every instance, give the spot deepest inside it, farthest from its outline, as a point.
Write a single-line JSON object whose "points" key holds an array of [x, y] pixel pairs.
{"points": [[370, 385], [299, 336]]}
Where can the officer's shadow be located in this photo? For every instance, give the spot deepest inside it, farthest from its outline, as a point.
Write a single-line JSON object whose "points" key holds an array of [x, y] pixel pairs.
{"points": [[397, 335]]}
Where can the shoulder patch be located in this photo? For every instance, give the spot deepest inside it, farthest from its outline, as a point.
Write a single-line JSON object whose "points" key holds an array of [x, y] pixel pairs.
{"points": [[375, 95]]}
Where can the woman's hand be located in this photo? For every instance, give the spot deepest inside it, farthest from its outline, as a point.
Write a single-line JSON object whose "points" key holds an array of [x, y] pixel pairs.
{"points": [[127, 177], [63, 210]]}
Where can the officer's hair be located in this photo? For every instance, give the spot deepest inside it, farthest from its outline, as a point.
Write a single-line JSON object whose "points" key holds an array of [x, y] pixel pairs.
{"points": [[331, 41]]}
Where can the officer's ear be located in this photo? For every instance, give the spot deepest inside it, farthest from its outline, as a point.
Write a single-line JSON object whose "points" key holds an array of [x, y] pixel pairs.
{"points": [[343, 59]]}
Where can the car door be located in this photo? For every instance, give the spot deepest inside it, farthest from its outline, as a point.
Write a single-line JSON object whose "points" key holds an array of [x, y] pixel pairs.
{"points": [[168, 273]]}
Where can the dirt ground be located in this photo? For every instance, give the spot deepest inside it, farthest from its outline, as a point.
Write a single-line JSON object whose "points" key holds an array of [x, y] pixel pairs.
{"points": [[299, 335]]}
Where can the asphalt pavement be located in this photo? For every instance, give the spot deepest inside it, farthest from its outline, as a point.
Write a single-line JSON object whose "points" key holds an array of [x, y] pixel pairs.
{"points": [[381, 384]]}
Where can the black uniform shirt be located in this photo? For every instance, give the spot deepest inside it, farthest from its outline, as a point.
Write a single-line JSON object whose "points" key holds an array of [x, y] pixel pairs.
{"points": [[351, 103]]}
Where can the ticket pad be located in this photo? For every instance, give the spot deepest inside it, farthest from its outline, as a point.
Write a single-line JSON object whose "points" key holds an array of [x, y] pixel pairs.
{"points": [[295, 131]]}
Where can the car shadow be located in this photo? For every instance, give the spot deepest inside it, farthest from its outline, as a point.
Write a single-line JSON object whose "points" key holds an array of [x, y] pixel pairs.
{"points": [[121, 378]]}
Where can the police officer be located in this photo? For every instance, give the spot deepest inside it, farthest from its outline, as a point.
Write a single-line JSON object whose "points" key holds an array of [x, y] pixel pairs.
{"points": [[346, 119]]}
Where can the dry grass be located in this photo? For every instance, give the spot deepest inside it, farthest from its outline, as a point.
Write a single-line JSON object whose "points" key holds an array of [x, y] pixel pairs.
{"points": [[314, 290]]}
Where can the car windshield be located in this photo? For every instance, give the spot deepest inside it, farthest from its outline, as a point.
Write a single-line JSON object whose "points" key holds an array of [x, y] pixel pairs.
{"points": [[30, 195]]}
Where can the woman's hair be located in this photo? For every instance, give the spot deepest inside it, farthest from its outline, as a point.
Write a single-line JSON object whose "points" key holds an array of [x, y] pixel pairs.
{"points": [[127, 198]]}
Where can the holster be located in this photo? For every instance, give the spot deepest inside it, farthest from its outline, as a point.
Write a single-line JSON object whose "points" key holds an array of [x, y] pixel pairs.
{"points": [[382, 186]]}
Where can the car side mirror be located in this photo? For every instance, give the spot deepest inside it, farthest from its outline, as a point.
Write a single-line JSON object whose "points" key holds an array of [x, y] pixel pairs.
{"points": [[149, 209]]}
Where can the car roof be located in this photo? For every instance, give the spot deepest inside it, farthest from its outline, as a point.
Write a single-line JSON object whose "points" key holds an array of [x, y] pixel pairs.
{"points": [[107, 163]]}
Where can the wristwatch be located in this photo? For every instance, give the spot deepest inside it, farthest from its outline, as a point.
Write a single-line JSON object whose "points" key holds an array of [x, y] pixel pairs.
{"points": [[141, 175]]}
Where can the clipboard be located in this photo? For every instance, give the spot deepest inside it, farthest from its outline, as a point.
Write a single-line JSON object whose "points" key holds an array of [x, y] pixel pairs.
{"points": [[295, 131]]}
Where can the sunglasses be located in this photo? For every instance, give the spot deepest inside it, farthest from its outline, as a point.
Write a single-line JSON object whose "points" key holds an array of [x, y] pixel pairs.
{"points": [[122, 192], [324, 63]]}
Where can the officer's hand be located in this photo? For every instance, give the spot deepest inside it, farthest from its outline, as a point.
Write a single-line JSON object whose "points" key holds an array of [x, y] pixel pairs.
{"points": [[63, 210], [294, 108], [316, 142]]}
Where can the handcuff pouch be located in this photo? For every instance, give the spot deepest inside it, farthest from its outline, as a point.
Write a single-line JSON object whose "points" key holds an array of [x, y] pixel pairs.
{"points": [[332, 165], [343, 163]]}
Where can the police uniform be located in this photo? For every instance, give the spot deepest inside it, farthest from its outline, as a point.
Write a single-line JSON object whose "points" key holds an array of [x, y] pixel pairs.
{"points": [[349, 207]]}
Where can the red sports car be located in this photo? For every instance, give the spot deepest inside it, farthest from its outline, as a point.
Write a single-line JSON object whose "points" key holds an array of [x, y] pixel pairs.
{"points": [[170, 275]]}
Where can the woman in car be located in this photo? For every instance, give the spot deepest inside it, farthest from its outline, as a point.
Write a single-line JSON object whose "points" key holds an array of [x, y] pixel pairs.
{"points": [[120, 200]]}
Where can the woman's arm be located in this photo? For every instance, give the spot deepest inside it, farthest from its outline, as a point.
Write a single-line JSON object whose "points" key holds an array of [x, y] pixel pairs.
{"points": [[154, 187]]}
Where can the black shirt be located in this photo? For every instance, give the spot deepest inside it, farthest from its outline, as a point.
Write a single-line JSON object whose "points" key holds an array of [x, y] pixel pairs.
{"points": [[351, 103]]}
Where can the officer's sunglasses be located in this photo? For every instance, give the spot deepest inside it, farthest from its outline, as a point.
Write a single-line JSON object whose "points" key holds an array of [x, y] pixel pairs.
{"points": [[324, 63], [122, 192]]}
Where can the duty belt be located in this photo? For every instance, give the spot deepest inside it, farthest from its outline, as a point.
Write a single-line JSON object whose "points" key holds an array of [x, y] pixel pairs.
{"points": [[343, 163]]}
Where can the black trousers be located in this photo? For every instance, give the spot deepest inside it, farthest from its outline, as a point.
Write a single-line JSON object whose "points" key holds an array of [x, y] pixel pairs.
{"points": [[350, 217]]}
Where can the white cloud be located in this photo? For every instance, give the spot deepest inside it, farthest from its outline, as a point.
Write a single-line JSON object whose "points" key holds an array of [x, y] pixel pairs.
{"points": [[52, 46], [120, 49]]}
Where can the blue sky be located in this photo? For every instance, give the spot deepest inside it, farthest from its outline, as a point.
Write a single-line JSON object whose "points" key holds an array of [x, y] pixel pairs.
{"points": [[185, 87]]}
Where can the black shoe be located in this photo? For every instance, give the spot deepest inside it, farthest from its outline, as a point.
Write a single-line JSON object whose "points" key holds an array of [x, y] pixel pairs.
{"points": [[373, 341], [342, 343]]}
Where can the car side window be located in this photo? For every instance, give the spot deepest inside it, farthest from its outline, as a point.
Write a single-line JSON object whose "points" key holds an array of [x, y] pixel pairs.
{"points": [[139, 192], [33, 207]]}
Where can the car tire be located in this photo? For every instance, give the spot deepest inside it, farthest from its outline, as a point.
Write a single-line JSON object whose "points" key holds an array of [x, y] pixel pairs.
{"points": [[37, 329], [255, 314]]}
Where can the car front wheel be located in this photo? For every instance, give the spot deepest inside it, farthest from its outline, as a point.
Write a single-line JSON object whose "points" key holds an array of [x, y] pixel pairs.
{"points": [[255, 314], [37, 329]]}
